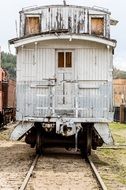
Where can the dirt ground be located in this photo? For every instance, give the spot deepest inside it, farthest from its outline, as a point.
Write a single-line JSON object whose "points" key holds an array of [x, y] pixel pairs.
{"points": [[59, 169], [16, 157], [54, 171], [14, 161]]}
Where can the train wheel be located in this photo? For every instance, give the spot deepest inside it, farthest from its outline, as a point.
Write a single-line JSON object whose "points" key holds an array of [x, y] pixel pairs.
{"points": [[86, 148], [39, 141], [88, 140]]}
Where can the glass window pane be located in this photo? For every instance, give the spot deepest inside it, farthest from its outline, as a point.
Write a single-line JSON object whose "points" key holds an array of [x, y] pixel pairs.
{"points": [[68, 59], [60, 59]]}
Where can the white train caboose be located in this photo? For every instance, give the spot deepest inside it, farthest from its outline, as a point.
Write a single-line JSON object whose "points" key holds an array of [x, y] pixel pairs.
{"points": [[64, 77]]}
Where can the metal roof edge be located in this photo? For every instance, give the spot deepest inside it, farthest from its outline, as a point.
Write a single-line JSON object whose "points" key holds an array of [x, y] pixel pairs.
{"points": [[60, 36], [96, 8]]}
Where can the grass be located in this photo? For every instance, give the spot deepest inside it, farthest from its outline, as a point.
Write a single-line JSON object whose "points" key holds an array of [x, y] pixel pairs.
{"points": [[114, 164], [119, 132], [111, 163], [116, 126]]}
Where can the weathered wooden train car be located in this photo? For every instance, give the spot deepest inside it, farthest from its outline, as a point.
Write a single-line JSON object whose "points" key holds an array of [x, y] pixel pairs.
{"points": [[7, 98], [64, 77]]}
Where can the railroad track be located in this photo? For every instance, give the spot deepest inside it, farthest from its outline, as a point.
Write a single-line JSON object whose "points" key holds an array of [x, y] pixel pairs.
{"points": [[97, 175], [65, 162], [25, 182], [116, 146]]}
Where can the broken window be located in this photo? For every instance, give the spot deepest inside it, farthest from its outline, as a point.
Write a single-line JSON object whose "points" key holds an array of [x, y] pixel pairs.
{"points": [[32, 25], [97, 26], [64, 59]]}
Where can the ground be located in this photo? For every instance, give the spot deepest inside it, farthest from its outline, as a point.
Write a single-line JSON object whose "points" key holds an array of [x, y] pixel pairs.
{"points": [[111, 163], [16, 158]]}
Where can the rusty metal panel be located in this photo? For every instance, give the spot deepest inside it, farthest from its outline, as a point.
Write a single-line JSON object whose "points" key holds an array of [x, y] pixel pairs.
{"points": [[97, 26], [11, 93], [32, 25], [5, 94]]}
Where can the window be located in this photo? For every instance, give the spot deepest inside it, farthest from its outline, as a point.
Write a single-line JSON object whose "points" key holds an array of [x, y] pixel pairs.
{"points": [[60, 59], [97, 26], [68, 59], [64, 59], [32, 25]]}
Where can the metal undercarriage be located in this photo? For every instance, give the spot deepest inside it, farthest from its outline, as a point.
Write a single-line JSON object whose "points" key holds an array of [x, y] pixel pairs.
{"points": [[82, 137]]}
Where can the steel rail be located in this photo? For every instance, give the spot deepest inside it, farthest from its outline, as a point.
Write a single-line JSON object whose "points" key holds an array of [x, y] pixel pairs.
{"points": [[98, 177], [115, 146], [29, 173]]}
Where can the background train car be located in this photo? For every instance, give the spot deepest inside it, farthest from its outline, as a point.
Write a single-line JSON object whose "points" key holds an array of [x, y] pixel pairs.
{"points": [[7, 98], [64, 77]]}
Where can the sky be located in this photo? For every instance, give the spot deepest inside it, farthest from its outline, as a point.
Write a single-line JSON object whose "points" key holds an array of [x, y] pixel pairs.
{"points": [[9, 16]]}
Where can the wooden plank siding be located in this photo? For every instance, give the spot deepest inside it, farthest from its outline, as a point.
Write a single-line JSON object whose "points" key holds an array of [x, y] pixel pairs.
{"points": [[75, 20]]}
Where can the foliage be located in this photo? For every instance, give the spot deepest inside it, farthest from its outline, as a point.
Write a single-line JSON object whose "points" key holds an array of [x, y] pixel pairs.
{"points": [[9, 63], [118, 74]]}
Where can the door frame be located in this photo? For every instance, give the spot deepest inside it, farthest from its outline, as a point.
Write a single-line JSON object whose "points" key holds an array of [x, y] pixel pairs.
{"points": [[65, 69]]}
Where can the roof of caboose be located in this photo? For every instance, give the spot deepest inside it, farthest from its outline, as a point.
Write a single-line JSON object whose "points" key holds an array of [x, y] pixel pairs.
{"points": [[62, 34], [95, 8]]}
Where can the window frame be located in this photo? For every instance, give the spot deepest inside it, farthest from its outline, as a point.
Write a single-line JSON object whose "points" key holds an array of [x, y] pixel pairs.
{"points": [[65, 65], [90, 23], [32, 16]]}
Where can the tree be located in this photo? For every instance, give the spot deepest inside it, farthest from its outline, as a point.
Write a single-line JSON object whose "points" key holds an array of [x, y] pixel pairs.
{"points": [[119, 74], [9, 64]]}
